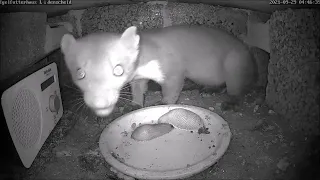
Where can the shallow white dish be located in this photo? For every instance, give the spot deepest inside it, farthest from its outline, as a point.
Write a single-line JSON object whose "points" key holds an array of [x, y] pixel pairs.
{"points": [[175, 155]]}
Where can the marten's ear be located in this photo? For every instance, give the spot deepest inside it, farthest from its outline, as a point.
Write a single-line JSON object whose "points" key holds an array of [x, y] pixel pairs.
{"points": [[66, 42], [130, 39]]}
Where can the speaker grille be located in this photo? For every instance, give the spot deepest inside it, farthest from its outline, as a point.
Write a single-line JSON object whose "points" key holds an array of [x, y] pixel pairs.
{"points": [[26, 118]]}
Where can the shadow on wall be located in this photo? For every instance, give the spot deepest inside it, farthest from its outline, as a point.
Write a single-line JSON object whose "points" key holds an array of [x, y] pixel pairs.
{"points": [[309, 165]]}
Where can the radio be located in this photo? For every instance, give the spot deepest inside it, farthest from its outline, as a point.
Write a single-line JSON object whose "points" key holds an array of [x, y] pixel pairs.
{"points": [[32, 107]]}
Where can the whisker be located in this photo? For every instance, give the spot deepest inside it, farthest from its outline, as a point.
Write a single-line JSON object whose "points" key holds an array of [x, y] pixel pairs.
{"points": [[124, 93], [129, 100], [83, 109], [80, 106], [125, 87], [76, 103], [76, 106], [75, 100], [77, 92], [73, 93], [77, 96], [121, 102], [121, 99], [79, 102], [71, 87], [129, 84]]}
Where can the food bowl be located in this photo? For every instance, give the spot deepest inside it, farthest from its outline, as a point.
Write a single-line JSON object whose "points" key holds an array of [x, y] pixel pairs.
{"points": [[175, 155]]}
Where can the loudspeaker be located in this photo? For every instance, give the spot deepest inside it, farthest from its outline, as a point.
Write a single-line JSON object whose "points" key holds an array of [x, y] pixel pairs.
{"points": [[32, 107]]}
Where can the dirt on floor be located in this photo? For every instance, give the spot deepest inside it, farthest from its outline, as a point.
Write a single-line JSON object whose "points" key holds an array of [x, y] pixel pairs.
{"points": [[263, 145]]}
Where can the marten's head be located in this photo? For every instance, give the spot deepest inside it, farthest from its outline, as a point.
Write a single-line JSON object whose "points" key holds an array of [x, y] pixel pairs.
{"points": [[101, 64]]}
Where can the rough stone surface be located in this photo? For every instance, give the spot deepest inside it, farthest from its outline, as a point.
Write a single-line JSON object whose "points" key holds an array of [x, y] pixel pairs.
{"points": [[230, 19], [116, 18], [293, 79], [22, 37]]}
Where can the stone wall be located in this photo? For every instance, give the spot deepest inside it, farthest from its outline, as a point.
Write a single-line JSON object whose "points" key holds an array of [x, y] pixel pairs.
{"points": [[22, 37], [293, 80]]}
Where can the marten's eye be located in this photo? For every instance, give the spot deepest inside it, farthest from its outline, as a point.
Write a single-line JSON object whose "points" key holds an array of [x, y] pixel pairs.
{"points": [[80, 73], [118, 70]]}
